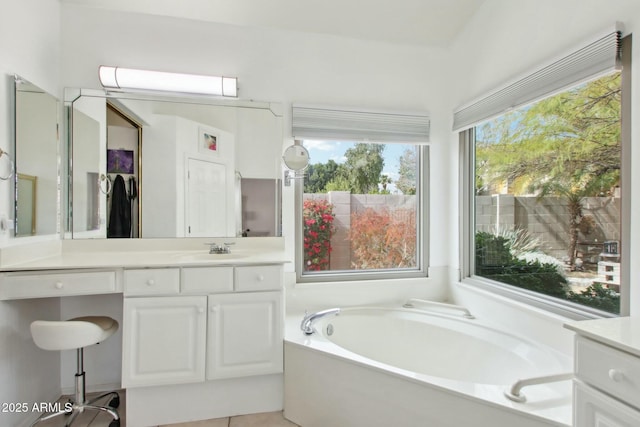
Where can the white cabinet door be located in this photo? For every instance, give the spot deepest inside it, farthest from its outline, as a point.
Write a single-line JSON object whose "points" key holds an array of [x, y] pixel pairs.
{"points": [[244, 334], [595, 409], [164, 340]]}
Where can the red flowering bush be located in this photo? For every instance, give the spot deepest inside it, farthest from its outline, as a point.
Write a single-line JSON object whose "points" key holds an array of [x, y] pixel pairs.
{"points": [[383, 239], [318, 226]]}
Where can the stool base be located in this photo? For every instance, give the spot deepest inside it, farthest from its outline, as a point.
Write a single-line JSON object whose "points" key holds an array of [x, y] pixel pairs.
{"points": [[79, 403]]}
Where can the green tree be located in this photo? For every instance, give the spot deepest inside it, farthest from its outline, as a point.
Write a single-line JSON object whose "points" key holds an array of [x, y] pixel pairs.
{"points": [[361, 172], [407, 171], [567, 145], [319, 175], [339, 183], [385, 180]]}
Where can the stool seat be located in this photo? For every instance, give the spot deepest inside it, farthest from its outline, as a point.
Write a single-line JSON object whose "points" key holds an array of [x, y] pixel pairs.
{"points": [[73, 333], [77, 333]]}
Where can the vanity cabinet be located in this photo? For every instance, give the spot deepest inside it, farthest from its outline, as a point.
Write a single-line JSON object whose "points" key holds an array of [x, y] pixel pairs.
{"points": [[205, 323], [244, 335], [164, 340], [607, 376]]}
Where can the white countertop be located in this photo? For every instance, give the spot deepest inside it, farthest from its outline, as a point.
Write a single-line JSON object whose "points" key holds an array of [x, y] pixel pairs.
{"points": [[147, 253], [622, 332]]}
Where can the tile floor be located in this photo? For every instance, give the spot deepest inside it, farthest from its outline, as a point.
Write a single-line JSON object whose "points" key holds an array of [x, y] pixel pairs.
{"points": [[92, 419]]}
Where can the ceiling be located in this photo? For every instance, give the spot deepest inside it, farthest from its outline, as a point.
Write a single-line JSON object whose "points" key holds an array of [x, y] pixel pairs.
{"points": [[434, 23]]}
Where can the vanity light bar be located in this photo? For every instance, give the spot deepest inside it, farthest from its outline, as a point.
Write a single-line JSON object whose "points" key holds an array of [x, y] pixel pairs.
{"points": [[128, 78]]}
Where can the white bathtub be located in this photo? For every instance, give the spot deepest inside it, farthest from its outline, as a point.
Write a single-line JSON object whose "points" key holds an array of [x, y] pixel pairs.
{"points": [[404, 367]]}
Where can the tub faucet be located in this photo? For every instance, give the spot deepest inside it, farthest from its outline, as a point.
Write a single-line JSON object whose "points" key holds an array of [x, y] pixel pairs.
{"points": [[310, 319]]}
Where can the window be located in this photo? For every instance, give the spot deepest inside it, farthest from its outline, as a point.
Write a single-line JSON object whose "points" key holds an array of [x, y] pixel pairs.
{"points": [[547, 199], [362, 211]]}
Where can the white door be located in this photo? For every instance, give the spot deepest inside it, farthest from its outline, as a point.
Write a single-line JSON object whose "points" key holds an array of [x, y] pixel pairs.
{"points": [[244, 334], [206, 202], [164, 340]]}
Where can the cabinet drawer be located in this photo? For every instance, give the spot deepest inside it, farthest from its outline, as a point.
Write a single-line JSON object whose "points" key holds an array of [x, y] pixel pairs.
{"points": [[51, 284], [207, 279], [610, 370], [258, 278], [152, 281]]}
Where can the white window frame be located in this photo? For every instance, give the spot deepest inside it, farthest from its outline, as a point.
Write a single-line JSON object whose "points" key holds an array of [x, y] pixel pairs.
{"points": [[422, 233], [467, 219]]}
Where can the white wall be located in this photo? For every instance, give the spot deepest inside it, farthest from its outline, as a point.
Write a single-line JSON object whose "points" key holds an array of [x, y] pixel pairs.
{"points": [[508, 39], [29, 46], [282, 67]]}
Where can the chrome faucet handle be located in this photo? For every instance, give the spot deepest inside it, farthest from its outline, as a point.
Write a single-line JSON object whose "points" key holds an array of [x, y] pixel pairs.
{"points": [[213, 247]]}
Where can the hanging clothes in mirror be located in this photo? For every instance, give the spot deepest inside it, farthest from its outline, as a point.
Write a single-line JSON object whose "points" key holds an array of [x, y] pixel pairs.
{"points": [[120, 215], [133, 195]]}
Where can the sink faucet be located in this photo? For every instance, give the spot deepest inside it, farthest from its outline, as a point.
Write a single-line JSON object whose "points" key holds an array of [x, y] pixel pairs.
{"points": [[215, 248], [309, 319]]}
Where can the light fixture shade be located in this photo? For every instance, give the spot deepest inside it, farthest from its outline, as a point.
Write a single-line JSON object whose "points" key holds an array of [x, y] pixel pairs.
{"points": [[128, 78]]}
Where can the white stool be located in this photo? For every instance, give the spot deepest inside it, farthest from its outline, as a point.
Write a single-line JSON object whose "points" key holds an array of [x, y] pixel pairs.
{"points": [[76, 334]]}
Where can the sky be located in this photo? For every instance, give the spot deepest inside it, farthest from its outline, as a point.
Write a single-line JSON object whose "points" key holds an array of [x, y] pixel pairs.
{"points": [[323, 151]]}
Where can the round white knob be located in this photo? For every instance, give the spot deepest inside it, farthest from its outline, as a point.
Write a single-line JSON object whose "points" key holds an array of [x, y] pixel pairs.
{"points": [[151, 282], [214, 309], [59, 285], [616, 375], [260, 278], [200, 310]]}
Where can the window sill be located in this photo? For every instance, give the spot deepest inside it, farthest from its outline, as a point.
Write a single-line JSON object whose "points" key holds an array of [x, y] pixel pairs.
{"points": [[359, 276], [538, 301]]}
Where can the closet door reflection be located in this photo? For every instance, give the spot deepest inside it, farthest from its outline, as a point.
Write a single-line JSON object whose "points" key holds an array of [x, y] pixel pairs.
{"points": [[105, 170], [124, 137]]}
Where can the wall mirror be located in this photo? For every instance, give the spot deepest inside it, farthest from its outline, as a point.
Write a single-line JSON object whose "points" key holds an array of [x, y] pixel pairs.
{"points": [[36, 183], [296, 157], [155, 166]]}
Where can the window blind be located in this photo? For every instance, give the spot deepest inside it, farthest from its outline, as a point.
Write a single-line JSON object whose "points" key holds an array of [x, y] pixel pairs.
{"points": [[591, 61], [327, 123]]}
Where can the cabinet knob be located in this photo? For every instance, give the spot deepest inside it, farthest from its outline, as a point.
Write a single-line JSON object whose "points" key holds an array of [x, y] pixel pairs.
{"points": [[616, 375], [200, 310], [151, 282], [59, 285], [260, 278], [214, 309]]}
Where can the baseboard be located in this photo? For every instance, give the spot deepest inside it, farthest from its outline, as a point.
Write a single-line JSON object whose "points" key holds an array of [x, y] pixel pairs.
{"points": [[94, 388]]}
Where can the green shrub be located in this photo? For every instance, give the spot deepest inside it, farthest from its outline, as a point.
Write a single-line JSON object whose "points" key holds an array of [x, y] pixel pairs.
{"points": [[495, 261], [598, 296]]}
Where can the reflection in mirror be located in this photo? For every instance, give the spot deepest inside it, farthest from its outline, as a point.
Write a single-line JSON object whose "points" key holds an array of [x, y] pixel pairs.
{"points": [[36, 154], [27, 189], [260, 216], [144, 166]]}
